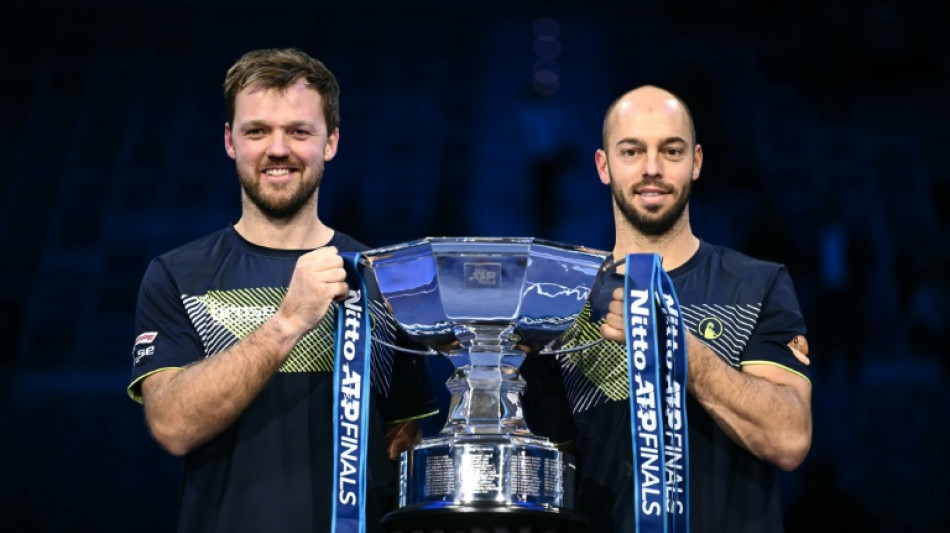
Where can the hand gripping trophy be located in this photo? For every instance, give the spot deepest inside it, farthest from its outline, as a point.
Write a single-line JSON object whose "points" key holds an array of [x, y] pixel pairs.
{"points": [[486, 304]]}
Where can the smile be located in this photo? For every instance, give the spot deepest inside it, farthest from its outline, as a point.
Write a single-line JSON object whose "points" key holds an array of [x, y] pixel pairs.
{"points": [[277, 171]]}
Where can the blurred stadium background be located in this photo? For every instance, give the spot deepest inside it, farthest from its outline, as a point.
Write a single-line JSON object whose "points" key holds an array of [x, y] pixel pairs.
{"points": [[820, 123]]}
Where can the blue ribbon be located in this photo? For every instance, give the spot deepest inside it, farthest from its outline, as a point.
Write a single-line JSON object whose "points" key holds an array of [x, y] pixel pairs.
{"points": [[657, 395], [351, 390], [676, 436]]}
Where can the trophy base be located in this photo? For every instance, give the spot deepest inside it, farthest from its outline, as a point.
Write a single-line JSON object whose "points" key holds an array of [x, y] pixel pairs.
{"points": [[503, 471], [482, 518]]}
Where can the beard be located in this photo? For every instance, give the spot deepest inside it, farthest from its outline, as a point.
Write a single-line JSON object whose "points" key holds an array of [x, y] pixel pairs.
{"points": [[649, 223], [280, 206]]}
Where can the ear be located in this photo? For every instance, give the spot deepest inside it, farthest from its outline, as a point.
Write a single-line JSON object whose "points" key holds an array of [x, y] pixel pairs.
{"points": [[600, 160], [333, 142], [697, 161], [228, 145]]}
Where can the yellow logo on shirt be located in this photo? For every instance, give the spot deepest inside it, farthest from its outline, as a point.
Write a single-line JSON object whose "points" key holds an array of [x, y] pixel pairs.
{"points": [[709, 328]]}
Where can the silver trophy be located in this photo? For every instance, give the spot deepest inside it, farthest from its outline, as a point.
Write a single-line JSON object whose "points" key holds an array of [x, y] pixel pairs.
{"points": [[485, 303]]}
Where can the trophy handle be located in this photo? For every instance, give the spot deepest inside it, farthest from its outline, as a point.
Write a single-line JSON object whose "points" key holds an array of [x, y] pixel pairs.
{"points": [[430, 351], [609, 265], [548, 351]]}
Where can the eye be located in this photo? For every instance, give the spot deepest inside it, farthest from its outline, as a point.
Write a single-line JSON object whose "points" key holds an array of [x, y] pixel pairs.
{"points": [[630, 152], [254, 133], [301, 133]]}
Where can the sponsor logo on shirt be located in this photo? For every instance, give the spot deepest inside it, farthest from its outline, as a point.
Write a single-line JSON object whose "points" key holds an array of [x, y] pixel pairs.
{"points": [[139, 354], [245, 313], [146, 338], [709, 328]]}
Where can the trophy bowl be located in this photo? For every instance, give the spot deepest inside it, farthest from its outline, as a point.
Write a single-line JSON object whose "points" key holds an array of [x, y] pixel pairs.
{"points": [[485, 303]]}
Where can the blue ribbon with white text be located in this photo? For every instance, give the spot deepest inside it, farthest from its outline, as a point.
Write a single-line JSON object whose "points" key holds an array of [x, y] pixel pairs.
{"points": [[657, 392], [351, 404]]}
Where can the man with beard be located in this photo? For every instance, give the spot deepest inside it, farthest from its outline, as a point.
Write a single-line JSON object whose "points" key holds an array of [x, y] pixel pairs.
{"points": [[234, 354], [749, 391]]}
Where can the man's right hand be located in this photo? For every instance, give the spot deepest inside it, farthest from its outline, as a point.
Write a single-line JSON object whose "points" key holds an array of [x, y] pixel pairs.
{"points": [[318, 280]]}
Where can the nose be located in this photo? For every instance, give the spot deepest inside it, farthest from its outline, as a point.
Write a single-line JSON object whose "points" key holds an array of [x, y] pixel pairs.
{"points": [[278, 147], [651, 168]]}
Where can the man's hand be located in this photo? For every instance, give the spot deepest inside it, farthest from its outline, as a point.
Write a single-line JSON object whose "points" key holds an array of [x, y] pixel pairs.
{"points": [[799, 346], [400, 437], [613, 328], [318, 280]]}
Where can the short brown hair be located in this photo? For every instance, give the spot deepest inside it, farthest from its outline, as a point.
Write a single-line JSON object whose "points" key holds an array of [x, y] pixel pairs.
{"points": [[279, 68]]}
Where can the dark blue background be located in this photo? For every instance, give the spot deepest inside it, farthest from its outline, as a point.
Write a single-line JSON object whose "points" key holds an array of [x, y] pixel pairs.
{"points": [[823, 125]]}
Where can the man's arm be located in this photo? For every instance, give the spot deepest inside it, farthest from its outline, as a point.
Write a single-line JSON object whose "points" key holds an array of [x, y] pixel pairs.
{"points": [[184, 408], [764, 408]]}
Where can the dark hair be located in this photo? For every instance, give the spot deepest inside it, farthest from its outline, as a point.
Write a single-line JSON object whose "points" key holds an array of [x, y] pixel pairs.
{"points": [[279, 68]]}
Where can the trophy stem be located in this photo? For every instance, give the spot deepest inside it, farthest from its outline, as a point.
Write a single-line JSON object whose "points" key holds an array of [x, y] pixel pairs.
{"points": [[485, 400]]}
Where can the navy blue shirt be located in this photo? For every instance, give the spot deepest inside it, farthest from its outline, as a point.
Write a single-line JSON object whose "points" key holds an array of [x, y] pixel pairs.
{"points": [[746, 311], [272, 469]]}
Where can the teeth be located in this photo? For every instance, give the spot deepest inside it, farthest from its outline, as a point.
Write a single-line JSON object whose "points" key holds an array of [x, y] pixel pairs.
{"points": [[277, 172]]}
